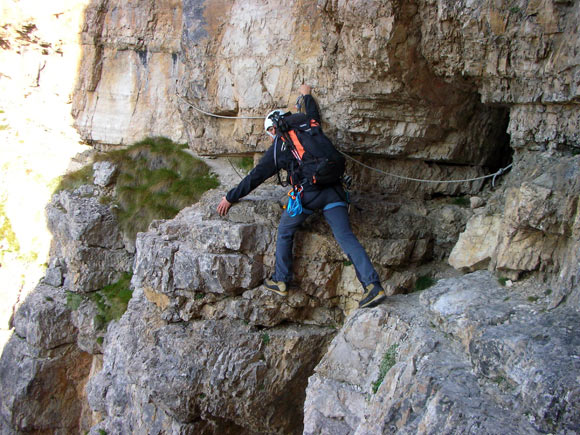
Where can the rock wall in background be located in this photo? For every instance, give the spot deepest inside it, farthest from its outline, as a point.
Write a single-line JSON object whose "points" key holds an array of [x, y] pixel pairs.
{"points": [[127, 77], [424, 89]]}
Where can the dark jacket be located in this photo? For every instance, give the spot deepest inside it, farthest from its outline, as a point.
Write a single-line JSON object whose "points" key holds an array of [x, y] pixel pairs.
{"points": [[313, 197]]}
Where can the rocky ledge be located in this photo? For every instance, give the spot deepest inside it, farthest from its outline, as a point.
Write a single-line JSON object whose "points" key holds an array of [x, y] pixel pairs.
{"points": [[203, 348]]}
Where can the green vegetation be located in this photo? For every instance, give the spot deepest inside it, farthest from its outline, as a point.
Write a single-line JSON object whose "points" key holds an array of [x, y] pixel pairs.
{"points": [[548, 292], [500, 380], [424, 282], [156, 179], [8, 240], [111, 300], [388, 361], [502, 281], [246, 164], [462, 201], [73, 300], [532, 299], [76, 179], [265, 338]]}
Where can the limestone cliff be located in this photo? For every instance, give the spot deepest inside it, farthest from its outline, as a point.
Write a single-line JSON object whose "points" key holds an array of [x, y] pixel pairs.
{"points": [[429, 89]]}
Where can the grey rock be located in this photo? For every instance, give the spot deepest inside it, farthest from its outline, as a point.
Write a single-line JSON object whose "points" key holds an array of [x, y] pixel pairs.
{"points": [[44, 320], [41, 389], [158, 375], [54, 275], [104, 173], [469, 356], [87, 241], [90, 329], [78, 216], [42, 371], [476, 202]]}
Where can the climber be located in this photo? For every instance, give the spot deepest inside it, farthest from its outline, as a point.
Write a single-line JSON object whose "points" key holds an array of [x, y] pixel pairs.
{"points": [[330, 199]]}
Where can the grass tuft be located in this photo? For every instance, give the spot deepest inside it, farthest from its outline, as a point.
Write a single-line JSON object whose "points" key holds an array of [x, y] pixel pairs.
{"points": [[388, 361], [156, 179], [75, 179], [424, 282], [111, 301], [461, 201], [73, 300], [246, 164]]}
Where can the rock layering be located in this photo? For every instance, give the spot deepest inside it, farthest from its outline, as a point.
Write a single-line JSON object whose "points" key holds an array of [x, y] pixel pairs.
{"points": [[426, 89]]}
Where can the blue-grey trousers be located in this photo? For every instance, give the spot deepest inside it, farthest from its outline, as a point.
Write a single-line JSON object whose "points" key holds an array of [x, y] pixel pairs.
{"points": [[337, 218]]}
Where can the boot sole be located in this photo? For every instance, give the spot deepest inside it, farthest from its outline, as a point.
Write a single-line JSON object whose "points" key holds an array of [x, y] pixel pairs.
{"points": [[277, 291], [374, 302]]}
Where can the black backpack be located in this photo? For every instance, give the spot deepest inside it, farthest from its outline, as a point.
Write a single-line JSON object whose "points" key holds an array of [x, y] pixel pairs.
{"points": [[317, 161]]}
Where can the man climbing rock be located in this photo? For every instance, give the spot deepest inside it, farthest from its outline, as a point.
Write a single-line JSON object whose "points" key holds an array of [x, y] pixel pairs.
{"points": [[310, 196]]}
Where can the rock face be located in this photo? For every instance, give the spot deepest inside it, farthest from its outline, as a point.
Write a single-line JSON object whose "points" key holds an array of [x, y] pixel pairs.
{"points": [[128, 71], [42, 371], [204, 376], [197, 255], [467, 355], [88, 243], [537, 229], [430, 89]]}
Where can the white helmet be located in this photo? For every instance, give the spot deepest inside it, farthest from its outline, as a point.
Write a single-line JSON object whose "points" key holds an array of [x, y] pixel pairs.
{"points": [[269, 123]]}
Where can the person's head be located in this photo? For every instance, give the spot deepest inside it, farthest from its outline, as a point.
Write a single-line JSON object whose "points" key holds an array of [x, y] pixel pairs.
{"points": [[269, 123]]}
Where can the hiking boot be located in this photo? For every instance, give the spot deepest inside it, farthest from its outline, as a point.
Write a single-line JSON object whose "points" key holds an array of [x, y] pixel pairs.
{"points": [[279, 287], [373, 296]]}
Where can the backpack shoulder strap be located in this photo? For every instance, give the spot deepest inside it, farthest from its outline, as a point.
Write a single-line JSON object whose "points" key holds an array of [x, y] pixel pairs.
{"points": [[297, 144]]}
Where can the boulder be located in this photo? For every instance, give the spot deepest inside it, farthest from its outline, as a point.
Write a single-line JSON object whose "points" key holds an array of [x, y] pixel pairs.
{"points": [[88, 241]]}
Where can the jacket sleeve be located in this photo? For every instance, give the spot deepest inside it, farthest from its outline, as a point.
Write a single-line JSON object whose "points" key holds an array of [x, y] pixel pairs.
{"points": [[263, 170], [311, 108]]}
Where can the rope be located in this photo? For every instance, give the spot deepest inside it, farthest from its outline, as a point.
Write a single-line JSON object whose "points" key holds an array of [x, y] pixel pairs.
{"points": [[215, 115], [419, 180], [234, 168]]}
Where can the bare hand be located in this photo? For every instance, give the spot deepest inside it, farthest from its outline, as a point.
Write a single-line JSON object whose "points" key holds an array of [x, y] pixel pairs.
{"points": [[304, 89], [223, 207]]}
